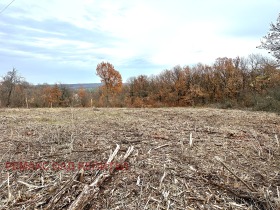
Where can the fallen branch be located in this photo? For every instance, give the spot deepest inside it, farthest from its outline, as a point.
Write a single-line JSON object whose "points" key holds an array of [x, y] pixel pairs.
{"points": [[244, 196], [250, 188], [91, 190], [55, 198]]}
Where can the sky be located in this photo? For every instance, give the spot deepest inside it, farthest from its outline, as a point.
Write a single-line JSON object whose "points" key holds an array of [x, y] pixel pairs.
{"points": [[62, 41]]}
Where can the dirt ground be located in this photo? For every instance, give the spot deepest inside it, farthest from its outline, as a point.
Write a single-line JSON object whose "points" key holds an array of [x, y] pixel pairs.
{"points": [[179, 158]]}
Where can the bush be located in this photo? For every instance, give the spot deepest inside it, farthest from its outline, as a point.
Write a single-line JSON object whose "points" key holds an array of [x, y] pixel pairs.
{"points": [[267, 103]]}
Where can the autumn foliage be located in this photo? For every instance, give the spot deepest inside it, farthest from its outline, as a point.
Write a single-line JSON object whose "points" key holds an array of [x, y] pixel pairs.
{"points": [[238, 82], [111, 79], [52, 95]]}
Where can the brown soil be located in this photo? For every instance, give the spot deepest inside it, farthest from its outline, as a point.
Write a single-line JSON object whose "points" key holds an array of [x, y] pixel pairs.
{"points": [[183, 158]]}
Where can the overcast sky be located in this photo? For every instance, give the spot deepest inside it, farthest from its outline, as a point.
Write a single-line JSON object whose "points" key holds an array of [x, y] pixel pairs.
{"points": [[64, 40]]}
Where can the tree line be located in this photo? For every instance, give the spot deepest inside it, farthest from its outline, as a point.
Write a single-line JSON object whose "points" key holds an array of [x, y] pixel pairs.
{"points": [[239, 82], [252, 82]]}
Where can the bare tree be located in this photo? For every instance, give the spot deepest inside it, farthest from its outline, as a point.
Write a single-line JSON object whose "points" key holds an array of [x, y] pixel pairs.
{"points": [[8, 83], [271, 41]]}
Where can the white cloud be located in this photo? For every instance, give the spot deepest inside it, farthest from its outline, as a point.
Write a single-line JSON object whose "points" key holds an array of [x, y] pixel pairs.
{"points": [[161, 33]]}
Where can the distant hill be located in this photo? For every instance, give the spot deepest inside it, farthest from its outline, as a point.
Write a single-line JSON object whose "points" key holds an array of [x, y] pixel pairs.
{"points": [[82, 85], [85, 85]]}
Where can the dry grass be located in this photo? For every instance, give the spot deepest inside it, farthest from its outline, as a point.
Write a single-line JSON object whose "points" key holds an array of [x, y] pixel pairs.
{"points": [[183, 158]]}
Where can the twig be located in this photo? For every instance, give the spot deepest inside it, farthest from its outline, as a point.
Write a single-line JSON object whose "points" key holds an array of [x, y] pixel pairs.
{"points": [[9, 191], [130, 142], [250, 188], [162, 178], [165, 145], [4, 182], [31, 186], [191, 140], [277, 141]]}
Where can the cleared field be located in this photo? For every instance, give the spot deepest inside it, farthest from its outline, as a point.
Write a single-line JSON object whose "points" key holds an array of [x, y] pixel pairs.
{"points": [[182, 158]]}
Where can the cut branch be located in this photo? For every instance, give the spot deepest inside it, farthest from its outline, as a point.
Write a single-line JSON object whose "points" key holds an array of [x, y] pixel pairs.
{"points": [[91, 190]]}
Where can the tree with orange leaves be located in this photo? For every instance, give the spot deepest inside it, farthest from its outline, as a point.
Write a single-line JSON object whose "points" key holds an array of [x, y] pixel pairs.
{"points": [[52, 95], [82, 96], [111, 79]]}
